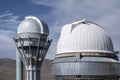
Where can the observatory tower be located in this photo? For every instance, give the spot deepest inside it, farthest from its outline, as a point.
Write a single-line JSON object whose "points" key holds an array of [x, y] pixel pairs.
{"points": [[32, 44], [85, 52]]}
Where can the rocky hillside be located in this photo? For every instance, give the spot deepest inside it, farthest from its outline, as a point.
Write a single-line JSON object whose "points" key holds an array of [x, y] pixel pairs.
{"points": [[8, 67]]}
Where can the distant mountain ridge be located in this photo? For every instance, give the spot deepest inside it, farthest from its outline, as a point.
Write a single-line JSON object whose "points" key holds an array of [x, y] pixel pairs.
{"points": [[8, 69]]}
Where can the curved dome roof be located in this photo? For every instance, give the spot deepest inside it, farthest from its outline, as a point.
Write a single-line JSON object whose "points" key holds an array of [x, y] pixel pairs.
{"points": [[84, 36], [32, 24]]}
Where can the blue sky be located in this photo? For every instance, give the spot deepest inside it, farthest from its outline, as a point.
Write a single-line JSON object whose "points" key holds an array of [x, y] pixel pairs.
{"points": [[56, 13]]}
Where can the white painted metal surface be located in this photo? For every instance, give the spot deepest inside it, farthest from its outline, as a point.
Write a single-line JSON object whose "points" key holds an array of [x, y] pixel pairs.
{"points": [[32, 24], [86, 68], [19, 72], [84, 36]]}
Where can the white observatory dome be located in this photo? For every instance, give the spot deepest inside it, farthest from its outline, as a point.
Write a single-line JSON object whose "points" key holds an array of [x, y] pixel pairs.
{"points": [[84, 36], [32, 24]]}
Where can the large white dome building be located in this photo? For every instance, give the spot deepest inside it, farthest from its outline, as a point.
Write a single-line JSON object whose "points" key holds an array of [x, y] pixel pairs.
{"points": [[84, 37], [85, 51]]}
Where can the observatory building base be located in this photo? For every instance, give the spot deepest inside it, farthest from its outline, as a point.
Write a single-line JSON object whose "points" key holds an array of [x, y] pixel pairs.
{"points": [[84, 70], [78, 77]]}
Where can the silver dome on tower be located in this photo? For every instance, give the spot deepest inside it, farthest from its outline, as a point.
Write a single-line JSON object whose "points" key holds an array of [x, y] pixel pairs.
{"points": [[32, 24], [32, 44], [85, 52]]}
